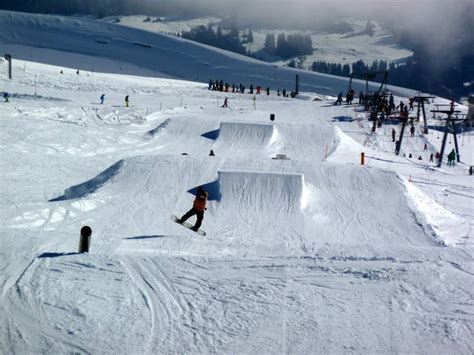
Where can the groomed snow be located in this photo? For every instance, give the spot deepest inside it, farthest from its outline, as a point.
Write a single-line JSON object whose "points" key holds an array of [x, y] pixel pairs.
{"points": [[310, 254]]}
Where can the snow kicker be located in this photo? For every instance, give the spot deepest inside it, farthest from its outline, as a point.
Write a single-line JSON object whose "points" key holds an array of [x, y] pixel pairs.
{"points": [[262, 192], [246, 135]]}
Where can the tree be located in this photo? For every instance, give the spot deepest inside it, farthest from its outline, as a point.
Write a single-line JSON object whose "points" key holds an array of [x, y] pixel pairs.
{"points": [[269, 46]]}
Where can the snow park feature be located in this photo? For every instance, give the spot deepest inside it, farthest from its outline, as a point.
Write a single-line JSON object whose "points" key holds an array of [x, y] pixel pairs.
{"points": [[312, 254]]}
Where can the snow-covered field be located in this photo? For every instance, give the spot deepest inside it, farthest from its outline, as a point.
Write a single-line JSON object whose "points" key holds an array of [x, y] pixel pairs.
{"points": [[313, 254]]}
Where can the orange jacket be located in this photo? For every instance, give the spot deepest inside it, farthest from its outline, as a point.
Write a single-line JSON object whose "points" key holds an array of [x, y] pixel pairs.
{"points": [[200, 202]]}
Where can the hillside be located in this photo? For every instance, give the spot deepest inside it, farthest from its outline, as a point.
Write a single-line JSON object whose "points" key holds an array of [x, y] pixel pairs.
{"points": [[155, 54], [310, 254]]}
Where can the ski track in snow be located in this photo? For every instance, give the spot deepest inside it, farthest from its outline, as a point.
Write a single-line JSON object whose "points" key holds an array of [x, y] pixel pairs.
{"points": [[310, 254]]}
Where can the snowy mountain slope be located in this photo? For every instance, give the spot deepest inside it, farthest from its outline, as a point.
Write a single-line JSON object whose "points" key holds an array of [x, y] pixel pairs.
{"points": [[344, 48], [311, 254], [158, 53]]}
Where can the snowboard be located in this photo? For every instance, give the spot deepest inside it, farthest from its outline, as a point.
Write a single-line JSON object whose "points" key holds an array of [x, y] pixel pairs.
{"points": [[187, 225]]}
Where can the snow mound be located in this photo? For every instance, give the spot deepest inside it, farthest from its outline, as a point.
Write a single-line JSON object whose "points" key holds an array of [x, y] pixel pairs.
{"points": [[88, 187], [245, 135], [262, 192], [445, 226]]}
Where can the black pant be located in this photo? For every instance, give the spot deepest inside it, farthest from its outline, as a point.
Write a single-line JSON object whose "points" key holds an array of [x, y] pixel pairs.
{"points": [[192, 212]]}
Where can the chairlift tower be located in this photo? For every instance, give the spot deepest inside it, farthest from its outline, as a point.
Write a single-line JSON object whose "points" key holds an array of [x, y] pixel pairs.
{"points": [[451, 119], [420, 100]]}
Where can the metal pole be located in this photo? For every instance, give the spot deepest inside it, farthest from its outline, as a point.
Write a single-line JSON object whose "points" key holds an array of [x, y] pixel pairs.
{"points": [[443, 145], [456, 142], [424, 117], [404, 122]]}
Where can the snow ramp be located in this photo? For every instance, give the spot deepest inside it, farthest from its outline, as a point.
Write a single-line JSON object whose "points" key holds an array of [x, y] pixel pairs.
{"points": [[261, 192], [245, 136]]}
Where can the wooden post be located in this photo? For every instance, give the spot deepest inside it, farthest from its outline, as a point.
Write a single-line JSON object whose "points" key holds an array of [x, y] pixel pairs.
{"points": [[362, 158], [85, 240]]}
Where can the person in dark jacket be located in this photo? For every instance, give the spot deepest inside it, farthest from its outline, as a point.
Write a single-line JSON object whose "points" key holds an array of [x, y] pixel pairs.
{"points": [[199, 206]]}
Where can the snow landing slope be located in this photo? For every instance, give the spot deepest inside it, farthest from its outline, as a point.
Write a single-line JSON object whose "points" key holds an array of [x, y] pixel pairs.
{"points": [[311, 254], [154, 54]]}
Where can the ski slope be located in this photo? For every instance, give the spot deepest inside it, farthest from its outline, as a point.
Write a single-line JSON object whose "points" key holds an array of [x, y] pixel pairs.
{"points": [[311, 254]]}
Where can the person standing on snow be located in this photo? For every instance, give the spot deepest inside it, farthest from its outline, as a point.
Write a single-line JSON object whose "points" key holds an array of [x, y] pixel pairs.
{"points": [[199, 206], [225, 102], [451, 158], [126, 101], [393, 134], [102, 98]]}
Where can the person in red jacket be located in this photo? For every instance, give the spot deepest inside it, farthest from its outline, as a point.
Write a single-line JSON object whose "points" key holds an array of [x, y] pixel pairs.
{"points": [[199, 206]]}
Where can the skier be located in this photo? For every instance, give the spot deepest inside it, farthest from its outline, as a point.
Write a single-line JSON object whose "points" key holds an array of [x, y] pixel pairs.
{"points": [[431, 157], [251, 88], [268, 91], [5, 96], [199, 206], [339, 99], [437, 156], [393, 134], [102, 98], [126, 101], [425, 148], [412, 131], [225, 102], [210, 84]]}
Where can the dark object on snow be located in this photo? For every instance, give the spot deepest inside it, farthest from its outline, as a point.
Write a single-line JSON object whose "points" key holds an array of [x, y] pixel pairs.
{"points": [[211, 153], [272, 117], [85, 240]]}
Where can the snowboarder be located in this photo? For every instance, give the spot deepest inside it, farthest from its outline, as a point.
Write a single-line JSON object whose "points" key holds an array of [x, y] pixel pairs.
{"points": [[225, 102], [102, 98], [199, 206], [126, 101]]}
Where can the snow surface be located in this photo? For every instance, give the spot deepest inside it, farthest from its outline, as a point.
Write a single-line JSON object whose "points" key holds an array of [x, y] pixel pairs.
{"points": [[311, 254]]}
